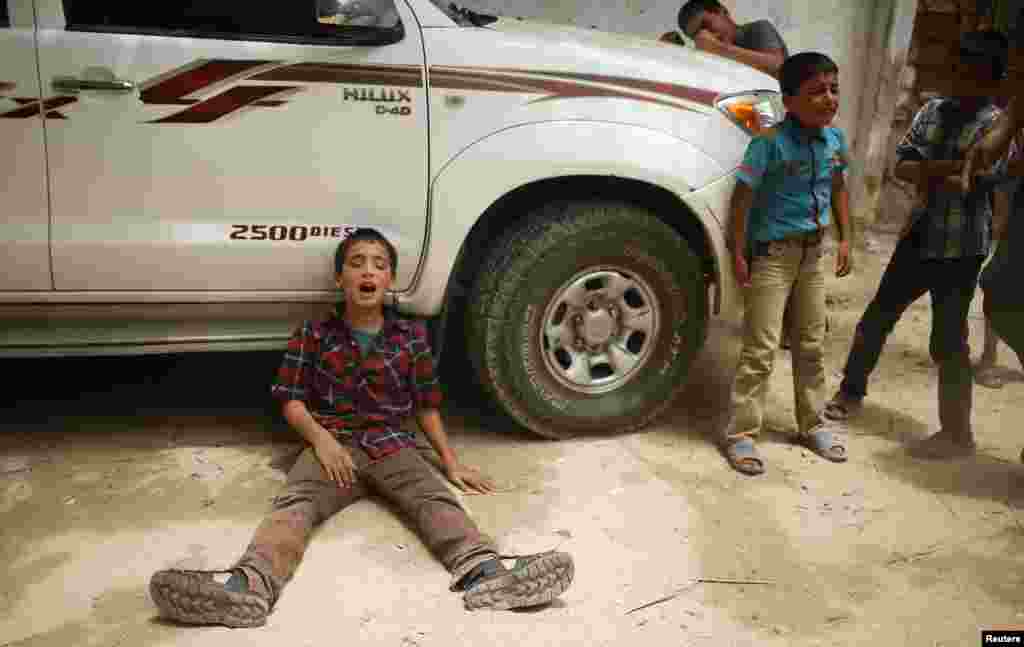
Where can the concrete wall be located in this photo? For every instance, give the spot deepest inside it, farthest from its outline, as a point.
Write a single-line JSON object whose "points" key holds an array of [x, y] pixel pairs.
{"points": [[839, 28]]}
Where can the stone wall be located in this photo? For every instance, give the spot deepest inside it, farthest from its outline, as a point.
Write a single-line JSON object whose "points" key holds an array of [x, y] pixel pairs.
{"points": [[931, 70]]}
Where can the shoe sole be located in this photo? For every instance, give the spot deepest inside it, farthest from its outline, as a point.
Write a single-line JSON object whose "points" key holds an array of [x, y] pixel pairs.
{"points": [[537, 583], [192, 598]]}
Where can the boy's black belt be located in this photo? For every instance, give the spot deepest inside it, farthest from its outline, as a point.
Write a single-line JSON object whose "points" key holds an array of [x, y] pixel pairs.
{"points": [[805, 237]]}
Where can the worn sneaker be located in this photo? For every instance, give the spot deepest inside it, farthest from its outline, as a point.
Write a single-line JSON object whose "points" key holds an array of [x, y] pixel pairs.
{"points": [[198, 598], [532, 581]]}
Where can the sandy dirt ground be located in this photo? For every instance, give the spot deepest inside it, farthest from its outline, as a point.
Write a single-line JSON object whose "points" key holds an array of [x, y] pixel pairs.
{"points": [[113, 468]]}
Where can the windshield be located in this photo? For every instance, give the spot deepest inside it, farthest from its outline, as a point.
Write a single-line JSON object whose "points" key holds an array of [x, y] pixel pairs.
{"points": [[462, 16]]}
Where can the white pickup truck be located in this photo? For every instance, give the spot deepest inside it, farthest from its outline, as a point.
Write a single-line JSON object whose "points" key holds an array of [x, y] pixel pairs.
{"points": [[177, 175]]}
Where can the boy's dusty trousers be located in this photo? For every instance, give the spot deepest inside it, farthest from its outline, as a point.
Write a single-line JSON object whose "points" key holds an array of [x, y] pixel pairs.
{"points": [[404, 478]]}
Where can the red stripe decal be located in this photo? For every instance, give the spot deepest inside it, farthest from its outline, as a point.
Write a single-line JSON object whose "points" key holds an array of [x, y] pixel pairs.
{"points": [[172, 90], [555, 86], [400, 75], [224, 103], [563, 85], [32, 107]]}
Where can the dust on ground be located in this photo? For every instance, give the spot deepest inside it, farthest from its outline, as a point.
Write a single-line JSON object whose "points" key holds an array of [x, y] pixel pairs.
{"points": [[112, 468]]}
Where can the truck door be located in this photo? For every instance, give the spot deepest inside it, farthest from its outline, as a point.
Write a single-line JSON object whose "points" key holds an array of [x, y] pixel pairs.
{"points": [[24, 227], [227, 145]]}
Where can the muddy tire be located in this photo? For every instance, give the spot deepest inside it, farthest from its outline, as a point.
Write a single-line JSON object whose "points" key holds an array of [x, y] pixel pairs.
{"points": [[586, 318]]}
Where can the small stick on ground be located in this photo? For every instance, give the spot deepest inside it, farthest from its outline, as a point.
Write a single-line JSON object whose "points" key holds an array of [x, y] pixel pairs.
{"points": [[718, 580], [699, 580], [913, 557]]}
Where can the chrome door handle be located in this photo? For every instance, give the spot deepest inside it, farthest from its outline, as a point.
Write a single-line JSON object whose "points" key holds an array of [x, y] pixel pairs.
{"points": [[72, 84]]}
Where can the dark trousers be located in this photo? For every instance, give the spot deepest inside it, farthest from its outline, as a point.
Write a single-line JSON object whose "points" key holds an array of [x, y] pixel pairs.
{"points": [[951, 284], [1008, 322]]}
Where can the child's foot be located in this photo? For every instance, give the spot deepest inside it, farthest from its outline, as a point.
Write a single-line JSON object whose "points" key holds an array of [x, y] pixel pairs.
{"points": [[842, 406], [199, 598], [987, 375], [825, 440], [532, 581], [743, 456]]}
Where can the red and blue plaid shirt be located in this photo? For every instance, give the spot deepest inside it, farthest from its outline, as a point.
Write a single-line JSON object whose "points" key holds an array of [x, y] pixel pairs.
{"points": [[362, 401]]}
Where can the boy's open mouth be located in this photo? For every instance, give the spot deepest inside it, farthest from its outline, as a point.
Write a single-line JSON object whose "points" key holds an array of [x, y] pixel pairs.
{"points": [[367, 288]]}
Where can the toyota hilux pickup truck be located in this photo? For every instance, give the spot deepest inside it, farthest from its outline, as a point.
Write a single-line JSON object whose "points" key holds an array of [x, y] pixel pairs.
{"points": [[176, 176]]}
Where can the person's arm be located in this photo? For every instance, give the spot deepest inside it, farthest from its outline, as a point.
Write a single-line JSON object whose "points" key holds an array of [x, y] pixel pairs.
{"points": [[292, 388], [841, 211], [922, 171], [333, 456], [768, 61], [426, 396], [739, 206], [995, 145], [761, 47], [751, 172], [463, 477]]}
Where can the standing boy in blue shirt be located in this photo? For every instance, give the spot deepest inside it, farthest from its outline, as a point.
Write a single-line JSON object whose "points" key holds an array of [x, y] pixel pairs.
{"points": [[790, 183]]}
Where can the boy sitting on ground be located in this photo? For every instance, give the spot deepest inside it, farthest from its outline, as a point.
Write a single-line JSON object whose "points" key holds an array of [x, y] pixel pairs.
{"points": [[346, 384]]}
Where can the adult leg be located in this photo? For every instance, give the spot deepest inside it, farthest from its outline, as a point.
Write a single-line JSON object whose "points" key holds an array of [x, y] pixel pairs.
{"points": [[772, 273], [986, 372], [277, 546], [407, 480], [953, 290], [1008, 322], [903, 282]]}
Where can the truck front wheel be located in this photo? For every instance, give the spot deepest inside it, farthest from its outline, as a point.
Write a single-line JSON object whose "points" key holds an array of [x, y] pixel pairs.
{"points": [[586, 317]]}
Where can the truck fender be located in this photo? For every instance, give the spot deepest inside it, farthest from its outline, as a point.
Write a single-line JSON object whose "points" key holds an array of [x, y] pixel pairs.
{"points": [[483, 172]]}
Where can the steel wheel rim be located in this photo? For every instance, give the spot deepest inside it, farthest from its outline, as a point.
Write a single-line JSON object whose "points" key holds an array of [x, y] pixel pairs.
{"points": [[599, 329]]}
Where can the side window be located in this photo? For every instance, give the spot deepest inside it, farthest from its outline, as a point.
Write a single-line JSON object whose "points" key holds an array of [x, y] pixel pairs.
{"points": [[360, 13], [342, 22]]}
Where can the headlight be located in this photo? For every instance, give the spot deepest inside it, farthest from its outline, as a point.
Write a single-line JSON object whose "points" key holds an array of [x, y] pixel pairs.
{"points": [[754, 111]]}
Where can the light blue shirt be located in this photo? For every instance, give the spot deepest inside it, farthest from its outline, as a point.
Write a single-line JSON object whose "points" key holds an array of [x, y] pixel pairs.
{"points": [[790, 169]]}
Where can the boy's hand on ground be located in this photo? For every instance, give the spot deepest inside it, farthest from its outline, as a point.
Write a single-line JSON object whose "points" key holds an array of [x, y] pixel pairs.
{"points": [[469, 479], [740, 267], [336, 461], [843, 263]]}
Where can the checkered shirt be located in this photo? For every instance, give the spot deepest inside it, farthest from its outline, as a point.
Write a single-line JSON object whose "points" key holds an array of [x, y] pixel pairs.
{"points": [[362, 401]]}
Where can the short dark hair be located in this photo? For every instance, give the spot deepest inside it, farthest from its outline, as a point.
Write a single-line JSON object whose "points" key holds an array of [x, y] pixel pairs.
{"points": [[988, 44], [364, 234], [799, 67], [694, 7]]}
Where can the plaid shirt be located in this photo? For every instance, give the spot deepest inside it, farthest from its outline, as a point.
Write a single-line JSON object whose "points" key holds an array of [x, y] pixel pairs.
{"points": [[362, 401], [950, 224]]}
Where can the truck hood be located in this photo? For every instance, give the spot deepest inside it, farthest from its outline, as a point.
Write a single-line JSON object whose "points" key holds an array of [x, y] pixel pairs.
{"points": [[631, 56]]}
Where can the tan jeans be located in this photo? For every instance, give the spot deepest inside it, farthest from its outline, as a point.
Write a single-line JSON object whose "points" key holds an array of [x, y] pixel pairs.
{"points": [[792, 268], [403, 478]]}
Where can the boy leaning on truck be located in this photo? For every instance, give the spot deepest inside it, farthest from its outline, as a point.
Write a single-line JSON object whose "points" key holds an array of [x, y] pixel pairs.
{"points": [[346, 383], [789, 184]]}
